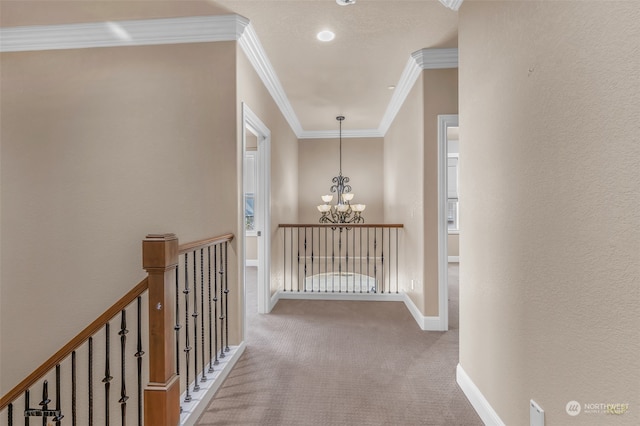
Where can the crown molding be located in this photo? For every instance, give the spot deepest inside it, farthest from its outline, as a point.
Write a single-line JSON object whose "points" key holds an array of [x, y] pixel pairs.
{"points": [[420, 60], [123, 33], [332, 134], [452, 4], [252, 47]]}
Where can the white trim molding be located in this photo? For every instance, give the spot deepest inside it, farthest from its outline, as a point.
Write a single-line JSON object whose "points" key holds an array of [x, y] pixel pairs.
{"points": [[123, 33], [426, 323], [454, 259], [486, 412], [452, 4], [424, 59]]}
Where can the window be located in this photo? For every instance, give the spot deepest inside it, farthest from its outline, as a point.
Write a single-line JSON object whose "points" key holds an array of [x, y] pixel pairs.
{"points": [[249, 192], [452, 194]]}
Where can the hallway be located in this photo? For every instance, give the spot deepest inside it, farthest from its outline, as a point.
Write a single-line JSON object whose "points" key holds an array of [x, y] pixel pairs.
{"points": [[343, 363]]}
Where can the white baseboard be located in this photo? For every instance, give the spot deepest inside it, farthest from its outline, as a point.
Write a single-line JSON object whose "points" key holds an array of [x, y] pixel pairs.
{"points": [[425, 323], [393, 297], [192, 410], [454, 259], [251, 262], [478, 401]]}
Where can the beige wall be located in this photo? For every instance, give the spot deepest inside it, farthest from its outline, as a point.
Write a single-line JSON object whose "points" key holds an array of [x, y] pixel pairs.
{"points": [[284, 158], [318, 163], [403, 188], [453, 244], [549, 285], [440, 91], [99, 148]]}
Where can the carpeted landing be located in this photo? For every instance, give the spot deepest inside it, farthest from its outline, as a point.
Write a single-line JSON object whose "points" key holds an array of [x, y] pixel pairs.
{"points": [[343, 363]]}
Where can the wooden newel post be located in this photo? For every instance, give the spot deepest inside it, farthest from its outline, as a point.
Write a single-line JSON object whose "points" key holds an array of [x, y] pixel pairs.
{"points": [[162, 395]]}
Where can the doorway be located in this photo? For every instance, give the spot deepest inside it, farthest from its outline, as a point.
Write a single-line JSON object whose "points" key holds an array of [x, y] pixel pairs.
{"points": [[256, 148], [446, 126]]}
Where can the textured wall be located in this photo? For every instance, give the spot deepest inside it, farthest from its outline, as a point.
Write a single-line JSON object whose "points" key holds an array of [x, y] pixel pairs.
{"points": [[550, 147], [99, 148]]}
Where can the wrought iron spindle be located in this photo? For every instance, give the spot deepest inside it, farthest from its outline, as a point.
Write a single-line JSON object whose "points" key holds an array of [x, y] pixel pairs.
{"points": [[312, 248], [209, 303], [107, 376], [139, 354], [45, 401], [284, 259], [187, 348], [177, 327], [346, 261], [222, 311], [298, 247], [90, 384], [326, 262], [375, 257], [73, 388], [10, 414], [58, 417], [305, 259], [226, 296], [340, 261], [26, 406], [204, 377], [196, 386], [333, 259], [291, 263], [215, 304], [123, 373], [360, 256], [396, 260], [382, 258]]}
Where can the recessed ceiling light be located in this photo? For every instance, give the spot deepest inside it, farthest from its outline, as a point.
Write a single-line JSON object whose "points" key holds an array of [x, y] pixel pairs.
{"points": [[345, 2], [391, 87], [325, 35]]}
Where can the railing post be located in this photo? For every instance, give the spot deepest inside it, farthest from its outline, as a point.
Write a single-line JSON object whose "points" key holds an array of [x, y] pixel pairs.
{"points": [[162, 395]]}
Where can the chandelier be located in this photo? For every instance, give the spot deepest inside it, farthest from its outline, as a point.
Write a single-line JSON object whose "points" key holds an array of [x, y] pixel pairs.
{"points": [[342, 211]]}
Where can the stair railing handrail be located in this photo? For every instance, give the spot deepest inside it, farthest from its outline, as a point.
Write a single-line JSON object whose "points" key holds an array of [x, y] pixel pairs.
{"points": [[74, 343], [196, 245]]}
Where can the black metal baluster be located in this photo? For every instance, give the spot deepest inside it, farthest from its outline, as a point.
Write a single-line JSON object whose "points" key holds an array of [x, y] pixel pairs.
{"points": [[177, 327], [326, 261], [298, 247], [58, 417], [312, 247], [340, 261], [382, 258], [284, 259], [203, 361], [222, 312], [333, 259], [139, 354], [10, 414], [45, 401], [74, 393], [375, 257], [26, 406], [123, 386], [215, 303], [187, 348], [209, 302], [196, 386], [346, 261], [226, 296], [360, 256], [353, 247], [90, 385], [291, 263], [107, 377], [305, 259]]}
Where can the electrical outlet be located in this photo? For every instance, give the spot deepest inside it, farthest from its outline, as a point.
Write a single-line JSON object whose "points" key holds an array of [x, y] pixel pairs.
{"points": [[536, 414]]}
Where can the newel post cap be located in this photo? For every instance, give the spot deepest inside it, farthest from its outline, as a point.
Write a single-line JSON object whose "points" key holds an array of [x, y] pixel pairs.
{"points": [[159, 251]]}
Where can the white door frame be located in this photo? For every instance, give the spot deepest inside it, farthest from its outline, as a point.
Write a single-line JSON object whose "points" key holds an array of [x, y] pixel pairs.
{"points": [[444, 121], [251, 122]]}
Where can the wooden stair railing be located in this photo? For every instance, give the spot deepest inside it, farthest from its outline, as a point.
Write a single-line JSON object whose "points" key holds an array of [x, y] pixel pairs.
{"points": [[161, 403]]}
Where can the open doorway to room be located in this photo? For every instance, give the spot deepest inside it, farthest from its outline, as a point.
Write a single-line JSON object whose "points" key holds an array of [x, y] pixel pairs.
{"points": [[256, 145], [448, 222]]}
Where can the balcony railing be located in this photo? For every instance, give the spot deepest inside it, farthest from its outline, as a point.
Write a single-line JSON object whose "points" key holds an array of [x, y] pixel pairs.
{"points": [[341, 258], [151, 357]]}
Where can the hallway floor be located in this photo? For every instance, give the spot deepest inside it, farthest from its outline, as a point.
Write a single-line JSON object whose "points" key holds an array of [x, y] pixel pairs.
{"points": [[343, 363]]}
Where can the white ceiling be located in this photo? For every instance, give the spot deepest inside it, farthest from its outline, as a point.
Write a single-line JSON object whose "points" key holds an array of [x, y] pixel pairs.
{"points": [[350, 75]]}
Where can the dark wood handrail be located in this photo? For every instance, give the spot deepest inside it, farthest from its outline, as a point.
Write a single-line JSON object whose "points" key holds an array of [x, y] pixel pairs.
{"points": [[341, 225], [195, 245], [74, 343]]}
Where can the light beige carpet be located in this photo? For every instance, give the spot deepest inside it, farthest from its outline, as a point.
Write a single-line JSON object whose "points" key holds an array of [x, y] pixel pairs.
{"points": [[343, 363]]}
